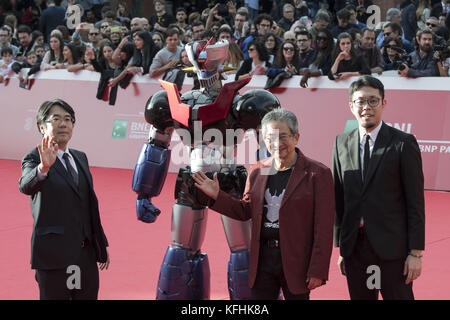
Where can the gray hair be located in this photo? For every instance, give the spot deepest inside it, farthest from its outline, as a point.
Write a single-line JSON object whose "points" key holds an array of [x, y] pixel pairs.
{"points": [[278, 115], [288, 6], [392, 12]]}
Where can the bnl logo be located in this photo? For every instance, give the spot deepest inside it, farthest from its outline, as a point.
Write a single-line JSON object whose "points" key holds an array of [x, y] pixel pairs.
{"points": [[120, 128]]}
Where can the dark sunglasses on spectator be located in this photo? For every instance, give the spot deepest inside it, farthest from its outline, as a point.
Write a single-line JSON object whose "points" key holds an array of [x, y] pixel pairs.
{"points": [[431, 24], [387, 34], [288, 49], [251, 49], [104, 26], [94, 34]]}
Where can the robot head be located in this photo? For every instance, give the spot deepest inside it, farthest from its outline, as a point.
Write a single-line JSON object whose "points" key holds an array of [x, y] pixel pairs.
{"points": [[207, 58], [157, 111], [253, 105]]}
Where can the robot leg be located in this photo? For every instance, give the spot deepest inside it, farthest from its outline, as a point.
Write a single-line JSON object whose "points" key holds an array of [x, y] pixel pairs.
{"points": [[185, 273], [238, 237]]}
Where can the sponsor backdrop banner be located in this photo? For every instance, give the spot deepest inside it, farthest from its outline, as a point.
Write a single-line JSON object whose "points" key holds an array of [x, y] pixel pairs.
{"points": [[113, 135]]}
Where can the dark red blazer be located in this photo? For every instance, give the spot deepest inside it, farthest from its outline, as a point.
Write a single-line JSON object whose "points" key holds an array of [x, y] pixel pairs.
{"points": [[306, 219]]}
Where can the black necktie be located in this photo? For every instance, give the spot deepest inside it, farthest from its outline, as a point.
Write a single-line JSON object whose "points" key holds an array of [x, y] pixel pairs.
{"points": [[366, 156], [71, 170]]}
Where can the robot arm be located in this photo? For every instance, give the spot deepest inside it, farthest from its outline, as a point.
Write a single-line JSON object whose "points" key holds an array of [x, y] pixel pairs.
{"points": [[153, 162]]}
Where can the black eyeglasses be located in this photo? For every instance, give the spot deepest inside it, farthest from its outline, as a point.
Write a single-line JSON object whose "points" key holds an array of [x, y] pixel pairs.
{"points": [[251, 49], [288, 49], [429, 24], [94, 34], [372, 102], [387, 34]]}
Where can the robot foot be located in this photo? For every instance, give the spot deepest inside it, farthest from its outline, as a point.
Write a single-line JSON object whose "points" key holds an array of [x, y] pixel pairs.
{"points": [[238, 276], [183, 277]]}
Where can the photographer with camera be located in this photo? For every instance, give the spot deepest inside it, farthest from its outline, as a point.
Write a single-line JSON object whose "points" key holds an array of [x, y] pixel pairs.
{"points": [[442, 57], [422, 62], [393, 54]]}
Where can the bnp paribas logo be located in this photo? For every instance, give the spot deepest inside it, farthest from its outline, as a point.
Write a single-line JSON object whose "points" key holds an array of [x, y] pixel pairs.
{"points": [[120, 128], [350, 124]]}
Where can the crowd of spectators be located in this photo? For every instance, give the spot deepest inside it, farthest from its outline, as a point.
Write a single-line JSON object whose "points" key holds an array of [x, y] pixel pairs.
{"points": [[277, 38]]}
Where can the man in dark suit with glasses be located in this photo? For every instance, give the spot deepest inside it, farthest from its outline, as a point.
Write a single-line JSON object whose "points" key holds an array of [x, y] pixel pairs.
{"points": [[68, 238], [379, 191]]}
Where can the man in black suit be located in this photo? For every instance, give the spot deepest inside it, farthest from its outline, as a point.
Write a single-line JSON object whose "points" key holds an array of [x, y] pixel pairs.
{"points": [[68, 237], [379, 190]]}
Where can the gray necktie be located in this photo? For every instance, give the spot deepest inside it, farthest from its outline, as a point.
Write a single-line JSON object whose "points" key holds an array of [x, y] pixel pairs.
{"points": [[70, 169]]}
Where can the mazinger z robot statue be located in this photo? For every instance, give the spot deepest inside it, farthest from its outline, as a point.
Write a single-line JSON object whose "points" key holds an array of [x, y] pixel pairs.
{"points": [[185, 270]]}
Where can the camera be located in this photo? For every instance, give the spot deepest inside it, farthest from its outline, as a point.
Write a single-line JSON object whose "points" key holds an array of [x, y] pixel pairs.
{"points": [[222, 9], [402, 60], [444, 52]]}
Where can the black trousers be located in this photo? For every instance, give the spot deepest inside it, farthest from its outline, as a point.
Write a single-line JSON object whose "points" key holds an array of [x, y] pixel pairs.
{"points": [[362, 269], [270, 278], [59, 284]]}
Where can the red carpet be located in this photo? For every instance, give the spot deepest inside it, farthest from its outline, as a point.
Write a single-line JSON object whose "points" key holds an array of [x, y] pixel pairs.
{"points": [[137, 249]]}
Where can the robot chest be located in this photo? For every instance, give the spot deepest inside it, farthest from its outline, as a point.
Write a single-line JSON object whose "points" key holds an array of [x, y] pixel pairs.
{"points": [[195, 105]]}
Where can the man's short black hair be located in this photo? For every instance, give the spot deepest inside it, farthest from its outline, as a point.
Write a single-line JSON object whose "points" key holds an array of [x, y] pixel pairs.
{"points": [[304, 32], [24, 29], [198, 23], [366, 81], [343, 14], [322, 16], [180, 9], [45, 107], [172, 31], [395, 27], [6, 50], [263, 16]]}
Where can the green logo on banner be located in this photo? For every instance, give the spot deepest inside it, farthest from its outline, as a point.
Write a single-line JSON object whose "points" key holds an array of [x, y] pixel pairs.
{"points": [[350, 125], [120, 128]]}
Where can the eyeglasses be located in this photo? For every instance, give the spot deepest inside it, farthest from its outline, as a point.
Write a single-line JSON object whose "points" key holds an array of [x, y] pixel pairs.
{"points": [[264, 25], [3, 35], [372, 102], [282, 137], [58, 120], [302, 40], [251, 49], [387, 34], [94, 34], [104, 27], [288, 49], [429, 24]]}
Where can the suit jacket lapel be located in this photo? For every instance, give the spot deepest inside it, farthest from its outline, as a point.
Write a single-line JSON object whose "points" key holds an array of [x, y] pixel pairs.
{"points": [[353, 148], [297, 175], [383, 140], [59, 167]]}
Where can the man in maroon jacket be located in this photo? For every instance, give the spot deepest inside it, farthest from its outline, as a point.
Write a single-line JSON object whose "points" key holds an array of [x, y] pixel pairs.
{"points": [[289, 198]]}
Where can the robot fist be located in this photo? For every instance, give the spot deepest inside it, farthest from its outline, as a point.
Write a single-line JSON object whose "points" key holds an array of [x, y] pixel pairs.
{"points": [[145, 210]]}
